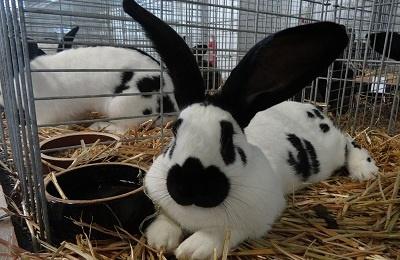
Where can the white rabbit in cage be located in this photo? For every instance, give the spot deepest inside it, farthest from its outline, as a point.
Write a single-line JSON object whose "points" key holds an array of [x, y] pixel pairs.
{"points": [[235, 154], [142, 83]]}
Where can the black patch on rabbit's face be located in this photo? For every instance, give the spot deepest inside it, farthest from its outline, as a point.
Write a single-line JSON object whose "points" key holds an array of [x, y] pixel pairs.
{"points": [[175, 128], [193, 184], [176, 125], [306, 163], [355, 145], [172, 149], [310, 114], [318, 113], [242, 155], [147, 111], [126, 76], [168, 106], [324, 127], [149, 84], [227, 148]]}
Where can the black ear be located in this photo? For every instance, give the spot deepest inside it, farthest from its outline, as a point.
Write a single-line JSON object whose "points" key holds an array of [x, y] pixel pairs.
{"points": [[377, 42], [34, 50], [177, 56], [68, 39], [278, 67]]}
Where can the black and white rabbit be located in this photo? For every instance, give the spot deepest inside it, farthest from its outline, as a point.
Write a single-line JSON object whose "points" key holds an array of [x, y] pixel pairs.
{"points": [[217, 173], [212, 78], [58, 84]]}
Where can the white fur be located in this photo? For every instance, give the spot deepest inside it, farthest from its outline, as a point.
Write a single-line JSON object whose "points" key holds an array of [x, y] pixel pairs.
{"points": [[358, 165], [256, 196], [47, 84]]}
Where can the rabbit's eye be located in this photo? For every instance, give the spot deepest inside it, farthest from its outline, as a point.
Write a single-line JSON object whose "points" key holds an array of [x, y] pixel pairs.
{"points": [[369, 159], [176, 125]]}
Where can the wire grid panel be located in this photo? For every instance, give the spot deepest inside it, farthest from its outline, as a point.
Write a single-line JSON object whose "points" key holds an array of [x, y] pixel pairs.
{"points": [[19, 140], [361, 88]]}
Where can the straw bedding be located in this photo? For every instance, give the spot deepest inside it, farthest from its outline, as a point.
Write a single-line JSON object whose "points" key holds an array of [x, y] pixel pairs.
{"points": [[334, 219]]}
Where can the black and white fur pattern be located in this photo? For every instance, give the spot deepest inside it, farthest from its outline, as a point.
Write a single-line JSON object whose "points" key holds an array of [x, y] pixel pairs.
{"points": [[56, 84], [218, 174]]}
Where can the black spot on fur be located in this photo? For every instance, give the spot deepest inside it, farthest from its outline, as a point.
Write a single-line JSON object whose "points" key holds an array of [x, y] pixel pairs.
{"points": [[355, 145], [121, 88], [147, 111], [227, 148], [242, 155], [306, 162], [318, 113], [193, 184], [176, 125], [174, 130], [322, 212], [324, 127], [149, 84], [313, 156], [171, 150], [168, 106], [310, 115], [125, 78]]}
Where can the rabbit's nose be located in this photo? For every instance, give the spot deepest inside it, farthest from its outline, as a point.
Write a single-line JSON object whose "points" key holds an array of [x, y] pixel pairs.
{"points": [[193, 184]]}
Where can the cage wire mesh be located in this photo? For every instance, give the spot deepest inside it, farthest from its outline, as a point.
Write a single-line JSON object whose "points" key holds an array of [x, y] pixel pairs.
{"points": [[360, 89]]}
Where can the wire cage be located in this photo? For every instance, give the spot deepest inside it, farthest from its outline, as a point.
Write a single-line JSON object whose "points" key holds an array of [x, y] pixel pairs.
{"points": [[360, 89]]}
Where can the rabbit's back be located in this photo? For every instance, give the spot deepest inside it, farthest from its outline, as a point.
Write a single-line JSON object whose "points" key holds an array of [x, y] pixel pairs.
{"points": [[145, 77], [301, 143]]}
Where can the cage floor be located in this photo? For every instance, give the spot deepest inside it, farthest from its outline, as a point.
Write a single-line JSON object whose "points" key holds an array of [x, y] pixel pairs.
{"points": [[367, 213]]}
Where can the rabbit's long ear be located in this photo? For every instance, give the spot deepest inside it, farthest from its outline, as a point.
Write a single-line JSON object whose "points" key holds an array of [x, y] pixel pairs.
{"points": [[377, 41], [177, 56], [34, 50], [68, 39], [278, 67]]}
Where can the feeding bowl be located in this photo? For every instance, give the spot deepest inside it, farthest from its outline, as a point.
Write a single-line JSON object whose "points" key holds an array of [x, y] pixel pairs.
{"points": [[71, 141], [107, 194]]}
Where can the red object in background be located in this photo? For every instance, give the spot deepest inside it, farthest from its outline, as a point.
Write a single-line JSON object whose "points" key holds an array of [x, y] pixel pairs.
{"points": [[212, 54]]}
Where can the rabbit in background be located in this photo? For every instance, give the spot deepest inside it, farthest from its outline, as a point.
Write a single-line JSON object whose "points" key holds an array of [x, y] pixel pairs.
{"points": [[235, 154], [144, 84]]}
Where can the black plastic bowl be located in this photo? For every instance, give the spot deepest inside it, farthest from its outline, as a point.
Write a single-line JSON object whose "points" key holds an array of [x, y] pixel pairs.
{"points": [[108, 194]]}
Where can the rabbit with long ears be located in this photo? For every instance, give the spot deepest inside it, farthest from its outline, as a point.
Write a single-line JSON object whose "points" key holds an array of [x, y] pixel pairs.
{"points": [[212, 178], [142, 82]]}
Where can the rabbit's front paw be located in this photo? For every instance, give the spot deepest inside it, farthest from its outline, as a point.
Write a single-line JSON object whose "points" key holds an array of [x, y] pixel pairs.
{"points": [[201, 245], [163, 234]]}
